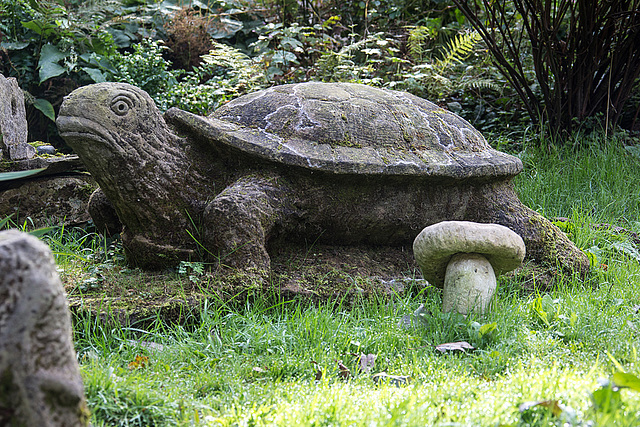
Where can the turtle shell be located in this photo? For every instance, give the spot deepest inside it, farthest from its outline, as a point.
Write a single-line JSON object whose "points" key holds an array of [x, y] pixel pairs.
{"points": [[348, 128]]}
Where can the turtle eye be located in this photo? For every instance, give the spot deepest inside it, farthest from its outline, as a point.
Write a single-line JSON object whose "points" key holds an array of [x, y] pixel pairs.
{"points": [[121, 105]]}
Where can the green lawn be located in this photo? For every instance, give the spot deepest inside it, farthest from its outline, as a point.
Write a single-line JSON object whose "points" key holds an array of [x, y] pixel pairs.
{"points": [[273, 361]]}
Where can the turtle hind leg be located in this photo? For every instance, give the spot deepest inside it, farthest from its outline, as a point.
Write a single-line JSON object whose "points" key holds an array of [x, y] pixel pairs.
{"points": [[546, 244], [239, 222]]}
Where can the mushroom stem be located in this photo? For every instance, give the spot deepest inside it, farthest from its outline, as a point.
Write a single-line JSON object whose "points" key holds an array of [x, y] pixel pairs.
{"points": [[469, 284]]}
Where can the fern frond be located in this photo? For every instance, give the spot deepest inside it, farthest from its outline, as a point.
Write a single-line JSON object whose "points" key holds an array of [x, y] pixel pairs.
{"points": [[418, 36], [459, 48], [486, 84]]}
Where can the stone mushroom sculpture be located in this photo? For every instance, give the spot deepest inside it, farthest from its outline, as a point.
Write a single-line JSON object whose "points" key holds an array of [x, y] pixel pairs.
{"points": [[465, 258]]}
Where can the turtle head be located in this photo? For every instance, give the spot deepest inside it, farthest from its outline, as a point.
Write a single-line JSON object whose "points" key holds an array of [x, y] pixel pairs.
{"points": [[108, 122], [139, 163]]}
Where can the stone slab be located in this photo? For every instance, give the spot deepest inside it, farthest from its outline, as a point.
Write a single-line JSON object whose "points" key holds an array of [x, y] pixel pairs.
{"points": [[13, 120]]}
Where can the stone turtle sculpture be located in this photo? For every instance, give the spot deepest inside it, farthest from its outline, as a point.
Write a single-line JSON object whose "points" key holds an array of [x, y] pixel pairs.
{"points": [[335, 163]]}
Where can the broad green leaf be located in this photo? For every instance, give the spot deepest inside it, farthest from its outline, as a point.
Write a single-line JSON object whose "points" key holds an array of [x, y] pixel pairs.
{"points": [[33, 26], [46, 108], [225, 28], [623, 379], [593, 258], [95, 74], [284, 57], [10, 176], [48, 63], [290, 41], [13, 45], [120, 37], [606, 399], [39, 232], [199, 5], [628, 249]]}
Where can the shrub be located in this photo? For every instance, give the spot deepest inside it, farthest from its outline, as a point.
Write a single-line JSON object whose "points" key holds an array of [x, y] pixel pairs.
{"points": [[584, 53]]}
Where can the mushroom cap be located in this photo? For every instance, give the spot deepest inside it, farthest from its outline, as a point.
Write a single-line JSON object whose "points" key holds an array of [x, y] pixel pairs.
{"points": [[437, 243]]}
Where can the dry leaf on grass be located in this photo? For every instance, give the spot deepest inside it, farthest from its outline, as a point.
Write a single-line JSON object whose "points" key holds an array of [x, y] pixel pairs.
{"points": [[139, 362], [343, 372], [318, 374], [367, 361]]}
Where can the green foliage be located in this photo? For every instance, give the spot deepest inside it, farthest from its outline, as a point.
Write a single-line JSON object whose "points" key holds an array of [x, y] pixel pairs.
{"points": [[225, 73], [146, 68], [46, 39], [193, 271], [233, 72], [459, 48], [437, 79]]}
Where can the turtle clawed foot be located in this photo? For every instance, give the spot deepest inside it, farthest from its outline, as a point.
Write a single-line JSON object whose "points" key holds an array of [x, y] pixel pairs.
{"points": [[248, 257]]}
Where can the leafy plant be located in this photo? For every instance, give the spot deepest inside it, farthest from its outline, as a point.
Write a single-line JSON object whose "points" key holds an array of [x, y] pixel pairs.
{"points": [[371, 60], [194, 271], [11, 176], [482, 335], [285, 50], [49, 47]]}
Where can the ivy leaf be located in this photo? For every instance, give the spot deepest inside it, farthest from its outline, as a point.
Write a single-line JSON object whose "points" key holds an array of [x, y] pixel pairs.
{"points": [[48, 63], [45, 107]]}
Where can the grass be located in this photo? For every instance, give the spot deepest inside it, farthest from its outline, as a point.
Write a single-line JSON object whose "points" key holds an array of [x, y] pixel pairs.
{"points": [[275, 361]]}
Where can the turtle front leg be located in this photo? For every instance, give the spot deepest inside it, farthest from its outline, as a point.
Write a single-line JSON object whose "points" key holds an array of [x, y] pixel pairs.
{"points": [[239, 222]]}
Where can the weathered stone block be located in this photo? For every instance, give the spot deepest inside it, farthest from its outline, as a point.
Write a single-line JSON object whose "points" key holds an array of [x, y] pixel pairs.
{"points": [[48, 200], [40, 383], [21, 151], [13, 120]]}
